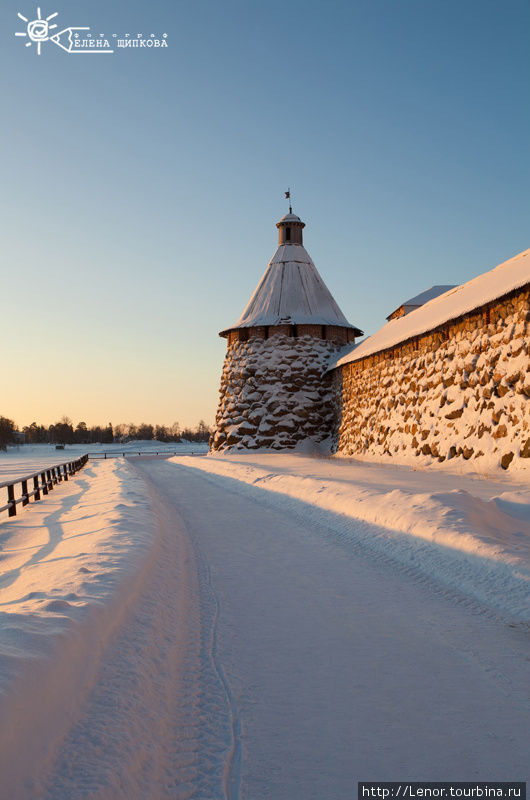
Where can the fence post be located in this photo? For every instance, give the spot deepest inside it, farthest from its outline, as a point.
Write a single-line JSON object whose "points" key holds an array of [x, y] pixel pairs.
{"points": [[44, 483], [25, 498], [11, 499], [36, 488], [65, 470]]}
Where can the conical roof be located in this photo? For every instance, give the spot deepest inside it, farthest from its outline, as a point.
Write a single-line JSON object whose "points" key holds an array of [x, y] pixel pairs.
{"points": [[291, 292]]}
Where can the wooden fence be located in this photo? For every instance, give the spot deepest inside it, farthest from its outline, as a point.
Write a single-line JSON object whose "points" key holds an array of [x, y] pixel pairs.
{"points": [[121, 453], [41, 482]]}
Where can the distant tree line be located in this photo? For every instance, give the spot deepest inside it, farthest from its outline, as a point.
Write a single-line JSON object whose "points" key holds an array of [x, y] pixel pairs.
{"points": [[63, 432], [7, 432]]}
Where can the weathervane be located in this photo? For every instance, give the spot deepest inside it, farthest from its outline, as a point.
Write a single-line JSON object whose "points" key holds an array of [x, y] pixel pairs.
{"points": [[288, 197]]}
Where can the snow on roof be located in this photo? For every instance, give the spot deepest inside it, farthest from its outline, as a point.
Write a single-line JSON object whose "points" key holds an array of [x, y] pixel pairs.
{"points": [[291, 292], [428, 294], [510, 275], [424, 297], [290, 218]]}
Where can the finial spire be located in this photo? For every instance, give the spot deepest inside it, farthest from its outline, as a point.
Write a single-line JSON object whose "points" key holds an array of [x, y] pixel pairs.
{"points": [[288, 197]]}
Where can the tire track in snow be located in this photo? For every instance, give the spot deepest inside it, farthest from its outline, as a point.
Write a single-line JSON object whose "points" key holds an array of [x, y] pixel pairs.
{"points": [[216, 713], [217, 699], [232, 771]]}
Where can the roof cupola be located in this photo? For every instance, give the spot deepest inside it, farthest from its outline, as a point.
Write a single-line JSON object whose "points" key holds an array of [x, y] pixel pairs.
{"points": [[290, 229]]}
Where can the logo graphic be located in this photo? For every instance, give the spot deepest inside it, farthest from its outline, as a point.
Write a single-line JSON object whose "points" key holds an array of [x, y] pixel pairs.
{"points": [[38, 30], [72, 42], [68, 39]]}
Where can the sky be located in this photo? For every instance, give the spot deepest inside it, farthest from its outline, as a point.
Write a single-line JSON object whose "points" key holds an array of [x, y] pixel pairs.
{"points": [[140, 189]]}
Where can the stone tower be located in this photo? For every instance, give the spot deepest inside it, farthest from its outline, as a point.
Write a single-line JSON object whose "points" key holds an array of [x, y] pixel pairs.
{"points": [[274, 391]]}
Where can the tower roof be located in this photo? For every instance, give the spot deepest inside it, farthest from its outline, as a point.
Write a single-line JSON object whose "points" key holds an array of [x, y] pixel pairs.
{"points": [[291, 291]]}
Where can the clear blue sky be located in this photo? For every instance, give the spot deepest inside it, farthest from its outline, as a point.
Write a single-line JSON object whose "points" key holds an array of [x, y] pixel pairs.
{"points": [[140, 190]]}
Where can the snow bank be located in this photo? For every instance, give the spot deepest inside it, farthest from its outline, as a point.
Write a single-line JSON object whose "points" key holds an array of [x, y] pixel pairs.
{"points": [[470, 535], [66, 564]]}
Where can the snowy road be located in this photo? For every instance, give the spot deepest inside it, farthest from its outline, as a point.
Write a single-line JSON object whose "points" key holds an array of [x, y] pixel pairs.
{"points": [[263, 658]]}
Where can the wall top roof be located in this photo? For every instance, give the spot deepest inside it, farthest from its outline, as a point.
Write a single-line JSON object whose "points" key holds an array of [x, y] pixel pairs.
{"points": [[424, 297], [485, 288]]}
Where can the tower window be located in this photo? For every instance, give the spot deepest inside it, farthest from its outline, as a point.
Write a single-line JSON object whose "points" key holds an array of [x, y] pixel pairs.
{"points": [[287, 234]]}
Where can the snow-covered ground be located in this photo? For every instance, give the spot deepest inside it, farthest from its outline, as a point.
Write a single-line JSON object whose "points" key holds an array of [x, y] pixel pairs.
{"points": [[20, 460], [64, 564], [175, 629], [470, 534]]}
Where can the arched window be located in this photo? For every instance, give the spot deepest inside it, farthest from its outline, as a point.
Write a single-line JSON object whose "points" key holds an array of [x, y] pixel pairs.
{"points": [[287, 234]]}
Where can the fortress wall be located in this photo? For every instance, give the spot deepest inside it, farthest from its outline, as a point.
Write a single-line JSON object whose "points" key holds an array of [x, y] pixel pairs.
{"points": [[460, 391], [274, 393]]}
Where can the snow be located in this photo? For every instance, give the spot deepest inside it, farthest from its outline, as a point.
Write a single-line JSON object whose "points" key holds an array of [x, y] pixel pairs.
{"points": [[21, 460], [290, 218], [428, 294], [291, 291], [64, 563], [261, 627], [424, 297], [479, 291], [470, 534]]}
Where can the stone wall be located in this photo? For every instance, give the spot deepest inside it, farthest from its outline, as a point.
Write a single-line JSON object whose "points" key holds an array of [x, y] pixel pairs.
{"points": [[274, 393], [460, 391]]}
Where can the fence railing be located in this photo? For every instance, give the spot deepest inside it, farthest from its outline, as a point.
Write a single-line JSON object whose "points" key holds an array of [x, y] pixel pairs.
{"points": [[122, 453], [41, 483]]}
